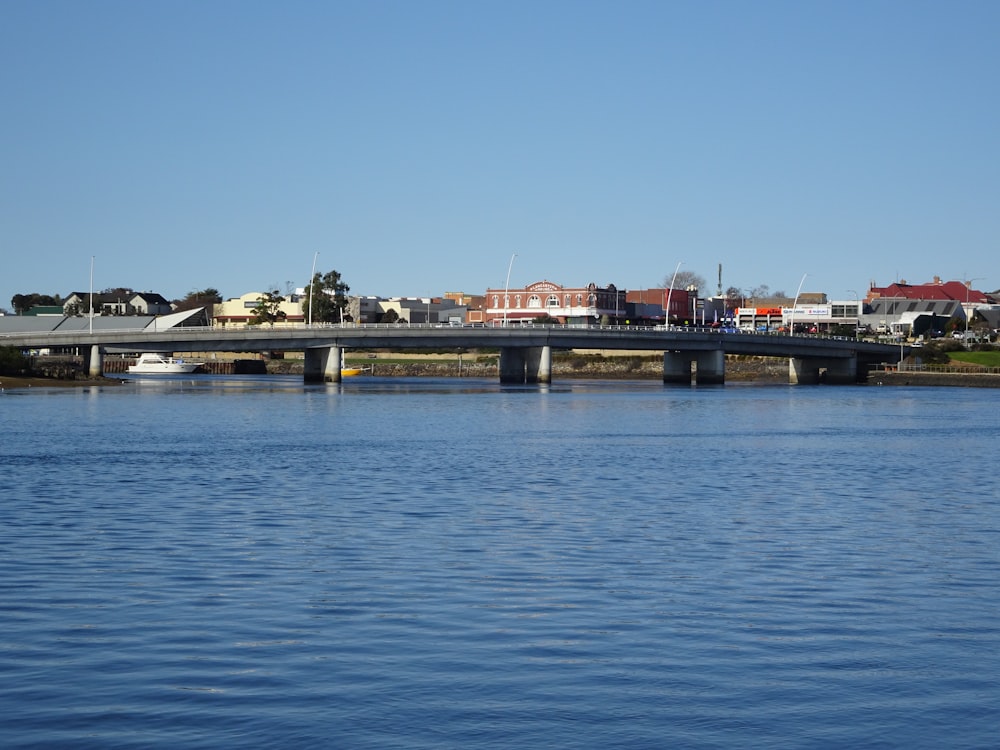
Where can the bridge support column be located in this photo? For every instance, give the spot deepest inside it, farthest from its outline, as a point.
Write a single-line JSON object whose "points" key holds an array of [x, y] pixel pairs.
{"points": [[322, 365], [512, 365], [803, 371], [538, 364], [842, 371], [94, 361], [711, 368], [677, 368], [813, 371]]}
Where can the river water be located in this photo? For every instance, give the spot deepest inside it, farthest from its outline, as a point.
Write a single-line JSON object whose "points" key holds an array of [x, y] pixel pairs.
{"points": [[250, 562]]}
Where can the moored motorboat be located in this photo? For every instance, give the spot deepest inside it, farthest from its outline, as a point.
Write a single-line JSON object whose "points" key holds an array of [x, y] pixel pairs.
{"points": [[151, 363]]}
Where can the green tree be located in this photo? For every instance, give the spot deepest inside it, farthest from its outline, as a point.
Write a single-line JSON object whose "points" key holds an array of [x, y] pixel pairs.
{"points": [[24, 302], [201, 298], [12, 361], [328, 294], [268, 309]]}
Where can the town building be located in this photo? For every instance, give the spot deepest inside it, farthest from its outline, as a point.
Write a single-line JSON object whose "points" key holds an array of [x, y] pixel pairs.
{"points": [[117, 302], [415, 310], [915, 309], [569, 305], [240, 310], [646, 307]]}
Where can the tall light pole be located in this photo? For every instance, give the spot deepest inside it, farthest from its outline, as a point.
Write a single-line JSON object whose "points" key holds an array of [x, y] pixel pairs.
{"points": [[91, 316], [968, 312], [670, 291], [857, 311], [791, 317], [506, 289], [312, 275]]}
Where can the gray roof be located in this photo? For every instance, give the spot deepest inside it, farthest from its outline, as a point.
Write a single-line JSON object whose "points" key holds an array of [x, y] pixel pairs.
{"points": [[29, 323], [33, 324]]}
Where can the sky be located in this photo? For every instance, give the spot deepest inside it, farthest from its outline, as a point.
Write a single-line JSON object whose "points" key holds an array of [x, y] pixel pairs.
{"points": [[428, 147]]}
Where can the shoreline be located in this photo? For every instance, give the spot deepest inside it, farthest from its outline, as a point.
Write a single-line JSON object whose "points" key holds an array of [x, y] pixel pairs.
{"points": [[9, 382], [736, 372], [932, 379]]}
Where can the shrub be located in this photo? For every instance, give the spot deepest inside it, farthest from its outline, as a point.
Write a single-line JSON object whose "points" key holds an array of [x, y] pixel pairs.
{"points": [[12, 361]]}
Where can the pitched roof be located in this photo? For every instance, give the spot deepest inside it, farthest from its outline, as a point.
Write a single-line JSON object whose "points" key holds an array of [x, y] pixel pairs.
{"points": [[151, 298], [947, 290]]}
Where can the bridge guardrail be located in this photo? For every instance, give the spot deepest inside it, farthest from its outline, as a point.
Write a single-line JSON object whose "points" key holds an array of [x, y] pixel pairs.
{"points": [[632, 329]]}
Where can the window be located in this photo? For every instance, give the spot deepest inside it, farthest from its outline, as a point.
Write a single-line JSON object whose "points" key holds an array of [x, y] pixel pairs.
{"points": [[552, 301], [534, 301]]}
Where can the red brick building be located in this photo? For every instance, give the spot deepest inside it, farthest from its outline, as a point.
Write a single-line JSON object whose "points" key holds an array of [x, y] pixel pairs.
{"points": [[569, 305]]}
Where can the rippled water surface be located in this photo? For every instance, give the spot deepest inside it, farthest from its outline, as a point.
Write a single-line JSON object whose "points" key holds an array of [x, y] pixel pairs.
{"points": [[250, 562]]}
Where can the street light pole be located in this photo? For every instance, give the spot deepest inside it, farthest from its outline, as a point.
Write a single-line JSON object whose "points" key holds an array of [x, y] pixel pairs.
{"points": [[91, 316], [670, 291], [312, 289], [506, 289], [791, 317], [968, 312], [857, 313]]}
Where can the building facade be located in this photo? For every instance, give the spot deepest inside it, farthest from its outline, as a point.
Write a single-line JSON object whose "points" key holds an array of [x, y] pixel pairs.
{"points": [[569, 305], [117, 302], [239, 310]]}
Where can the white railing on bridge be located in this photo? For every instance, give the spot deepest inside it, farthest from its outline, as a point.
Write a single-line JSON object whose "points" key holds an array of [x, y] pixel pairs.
{"points": [[422, 326]]}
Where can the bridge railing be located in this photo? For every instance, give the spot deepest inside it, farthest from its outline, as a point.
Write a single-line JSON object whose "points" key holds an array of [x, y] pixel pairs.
{"points": [[632, 329], [945, 369]]}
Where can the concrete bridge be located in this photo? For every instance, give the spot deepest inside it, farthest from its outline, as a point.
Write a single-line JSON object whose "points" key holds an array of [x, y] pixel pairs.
{"points": [[525, 352]]}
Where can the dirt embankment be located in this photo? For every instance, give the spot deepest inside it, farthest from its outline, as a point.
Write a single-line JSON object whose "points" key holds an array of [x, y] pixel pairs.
{"points": [[567, 366], [953, 379]]}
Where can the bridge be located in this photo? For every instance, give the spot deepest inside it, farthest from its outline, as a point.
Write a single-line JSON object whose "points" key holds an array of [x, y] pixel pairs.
{"points": [[525, 352]]}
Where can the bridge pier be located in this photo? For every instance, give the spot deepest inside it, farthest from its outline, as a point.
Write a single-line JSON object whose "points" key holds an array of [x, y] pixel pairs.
{"points": [[322, 365], [538, 365], [815, 370], [676, 368], [710, 367], [93, 361], [525, 364]]}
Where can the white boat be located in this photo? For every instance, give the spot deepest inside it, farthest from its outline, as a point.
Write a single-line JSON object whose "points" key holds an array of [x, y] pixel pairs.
{"points": [[151, 363]]}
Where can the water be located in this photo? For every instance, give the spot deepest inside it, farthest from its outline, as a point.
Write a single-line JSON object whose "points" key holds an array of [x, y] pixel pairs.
{"points": [[250, 562]]}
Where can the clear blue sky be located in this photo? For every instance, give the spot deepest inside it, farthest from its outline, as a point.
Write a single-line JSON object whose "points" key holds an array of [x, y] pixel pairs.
{"points": [[416, 145]]}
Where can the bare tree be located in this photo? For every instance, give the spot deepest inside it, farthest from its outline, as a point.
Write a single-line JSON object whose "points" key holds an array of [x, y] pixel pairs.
{"points": [[684, 279]]}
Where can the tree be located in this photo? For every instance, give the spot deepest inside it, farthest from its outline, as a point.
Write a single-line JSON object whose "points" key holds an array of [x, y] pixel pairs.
{"points": [[735, 297], [12, 361], [329, 298], [24, 302], [268, 309], [683, 280], [202, 298]]}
